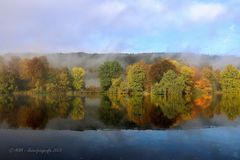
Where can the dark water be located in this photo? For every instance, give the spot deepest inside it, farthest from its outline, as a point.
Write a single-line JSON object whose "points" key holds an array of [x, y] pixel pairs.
{"points": [[212, 143], [108, 127], [106, 112]]}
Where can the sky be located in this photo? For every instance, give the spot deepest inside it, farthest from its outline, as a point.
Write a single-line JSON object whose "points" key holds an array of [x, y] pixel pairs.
{"points": [[44, 26]]}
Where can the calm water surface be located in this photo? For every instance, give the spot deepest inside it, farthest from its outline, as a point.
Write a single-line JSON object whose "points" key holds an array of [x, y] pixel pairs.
{"points": [[106, 112], [108, 127], [206, 144]]}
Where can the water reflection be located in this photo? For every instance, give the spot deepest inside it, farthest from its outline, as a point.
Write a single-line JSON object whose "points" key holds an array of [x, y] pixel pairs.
{"points": [[77, 112], [172, 106], [137, 110], [230, 105], [111, 111], [34, 112]]}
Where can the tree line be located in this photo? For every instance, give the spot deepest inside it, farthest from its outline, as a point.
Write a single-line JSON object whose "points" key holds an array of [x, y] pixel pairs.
{"points": [[163, 77], [167, 77], [37, 75]]}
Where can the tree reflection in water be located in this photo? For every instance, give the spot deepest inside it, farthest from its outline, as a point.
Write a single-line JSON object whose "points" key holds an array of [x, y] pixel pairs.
{"points": [[114, 111], [145, 114], [109, 113], [172, 106], [230, 105], [35, 111], [77, 112]]}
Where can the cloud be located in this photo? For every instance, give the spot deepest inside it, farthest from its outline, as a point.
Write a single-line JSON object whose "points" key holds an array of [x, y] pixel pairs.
{"points": [[110, 25], [205, 12]]}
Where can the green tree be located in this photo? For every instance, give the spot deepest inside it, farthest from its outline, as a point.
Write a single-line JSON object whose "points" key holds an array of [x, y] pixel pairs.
{"points": [[52, 85], [165, 86], [171, 84], [158, 68], [7, 79], [230, 79], [64, 80], [7, 82], [136, 77], [78, 75], [108, 71]]}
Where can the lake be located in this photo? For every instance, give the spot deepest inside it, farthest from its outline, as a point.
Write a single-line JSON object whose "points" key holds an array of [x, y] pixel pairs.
{"points": [[211, 143], [111, 127]]}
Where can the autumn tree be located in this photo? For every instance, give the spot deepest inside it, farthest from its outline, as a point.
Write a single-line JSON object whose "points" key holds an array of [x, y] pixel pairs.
{"points": [[52, 84], [78, 75], [14, 69], [116, 82], [7, 79], [230, 79], [35, 70], [2, 64], [14, 66], [204, 85], [59, 80], [7, 82], [64, 80], [119, 86], [212, 76], [108, 71], [23, 69], [189, 75]]}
